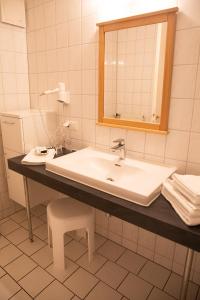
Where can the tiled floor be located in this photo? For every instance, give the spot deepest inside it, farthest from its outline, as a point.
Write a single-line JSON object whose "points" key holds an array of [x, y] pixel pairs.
{"points": [[26, 269]]}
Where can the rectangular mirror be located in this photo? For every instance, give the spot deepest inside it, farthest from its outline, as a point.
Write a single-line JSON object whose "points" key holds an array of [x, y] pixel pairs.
{"points": [[135, 65]]}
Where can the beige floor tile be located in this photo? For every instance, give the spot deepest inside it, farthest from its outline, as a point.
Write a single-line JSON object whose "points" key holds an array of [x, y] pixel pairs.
{"points": [[39, 210], [8, 287], [111, 250], [98, 239], [42, 232], [36, 222], [36, 281], [173, 287], [55, 291], [3, 241], [135, 288], [67, 239], [43, 257], [71, 267], [4, 220], [74, 250], [8, 254], [155, 274], [103, 292], [2, 272], [157, 294], [131, 261], [8, 227], [112, 274], [20, 267], [20, 216], [18, 236], [21, 295], [44, 218], [31, 247], [95, 264], [81, 282]]}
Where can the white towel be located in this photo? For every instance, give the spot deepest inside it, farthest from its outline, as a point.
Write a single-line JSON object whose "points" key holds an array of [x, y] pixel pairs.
{"points": [[189, 186], [169, 193], [32, 159], [189, 207]]}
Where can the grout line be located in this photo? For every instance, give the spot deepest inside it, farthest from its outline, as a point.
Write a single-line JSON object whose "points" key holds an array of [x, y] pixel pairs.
{"points": [[44, 288], [16, 283], [163, 289]]}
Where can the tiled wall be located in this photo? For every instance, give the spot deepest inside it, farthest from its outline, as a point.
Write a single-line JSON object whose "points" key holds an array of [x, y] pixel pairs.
{"points": [[63, 46], [14, 89]]}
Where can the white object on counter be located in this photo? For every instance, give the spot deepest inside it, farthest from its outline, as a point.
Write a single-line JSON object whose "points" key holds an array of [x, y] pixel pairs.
{"points": [[188, 212], [189, 186], [34, 159]]}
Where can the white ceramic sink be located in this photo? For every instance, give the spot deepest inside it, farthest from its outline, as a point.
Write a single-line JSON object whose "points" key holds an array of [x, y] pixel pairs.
{"points": [[136, 181]]}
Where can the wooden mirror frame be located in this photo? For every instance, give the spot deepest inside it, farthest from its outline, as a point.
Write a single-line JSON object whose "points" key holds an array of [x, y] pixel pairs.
{"points": [[167, 15]]}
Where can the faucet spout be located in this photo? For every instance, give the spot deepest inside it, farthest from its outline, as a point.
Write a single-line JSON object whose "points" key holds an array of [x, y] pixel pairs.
{"points": [[120, 147]]}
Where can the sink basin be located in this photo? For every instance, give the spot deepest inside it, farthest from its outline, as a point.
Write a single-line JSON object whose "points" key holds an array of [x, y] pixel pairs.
{"points": [[133, 180]]}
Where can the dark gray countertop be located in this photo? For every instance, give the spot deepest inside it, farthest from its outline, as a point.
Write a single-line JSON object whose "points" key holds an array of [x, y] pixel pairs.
{"points": [[159, 217]]}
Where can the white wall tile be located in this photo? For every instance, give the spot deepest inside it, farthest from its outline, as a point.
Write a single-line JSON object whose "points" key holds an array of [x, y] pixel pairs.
{"points": [[146, 239], [88, 82], [74, 57], [75, 82], [189, 15], [187, 46], [89, 30], [62, 35], [74, 32], [177, 145], [183, 81], [196, 116], [89, 106], [193, 168], [74, 9], [102, 135], [89, 54], [197, 91], [136, 141], [50, 38], [49, 13], [61, 11], [180, 116], [155, 144], [193, 155]]}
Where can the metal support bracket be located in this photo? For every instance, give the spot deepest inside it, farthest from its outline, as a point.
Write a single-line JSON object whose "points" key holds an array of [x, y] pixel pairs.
{"points": [[28, 209], [186, 275]]}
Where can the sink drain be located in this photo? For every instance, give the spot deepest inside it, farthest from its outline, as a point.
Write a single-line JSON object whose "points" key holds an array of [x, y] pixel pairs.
{"points": [[110, 179]]}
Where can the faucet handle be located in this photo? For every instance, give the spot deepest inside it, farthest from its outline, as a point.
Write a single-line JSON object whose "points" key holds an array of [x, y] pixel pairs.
{"points": [[120, 141]]}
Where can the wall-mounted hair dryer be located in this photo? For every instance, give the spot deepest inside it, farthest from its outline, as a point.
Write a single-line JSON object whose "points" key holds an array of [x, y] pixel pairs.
{"points": [[63, 95]]}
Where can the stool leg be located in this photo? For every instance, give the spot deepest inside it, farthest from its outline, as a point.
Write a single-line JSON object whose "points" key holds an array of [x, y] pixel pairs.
{"points": [[58, 250], [90, 231], [49, 236]]}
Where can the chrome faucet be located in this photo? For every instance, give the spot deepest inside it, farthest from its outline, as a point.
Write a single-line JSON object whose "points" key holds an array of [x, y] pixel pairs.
{"points": [[120, 147]]}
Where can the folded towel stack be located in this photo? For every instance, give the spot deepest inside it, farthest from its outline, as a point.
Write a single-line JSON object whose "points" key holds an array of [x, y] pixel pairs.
{"points": [[34, 159], [183, 192]]}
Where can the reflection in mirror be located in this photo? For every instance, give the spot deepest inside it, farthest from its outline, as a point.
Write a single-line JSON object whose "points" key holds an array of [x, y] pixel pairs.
{"points": [[134, 71]]}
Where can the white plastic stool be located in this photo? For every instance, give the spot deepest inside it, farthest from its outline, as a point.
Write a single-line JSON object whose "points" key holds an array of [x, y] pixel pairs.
{"points": [[65, 215]]}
